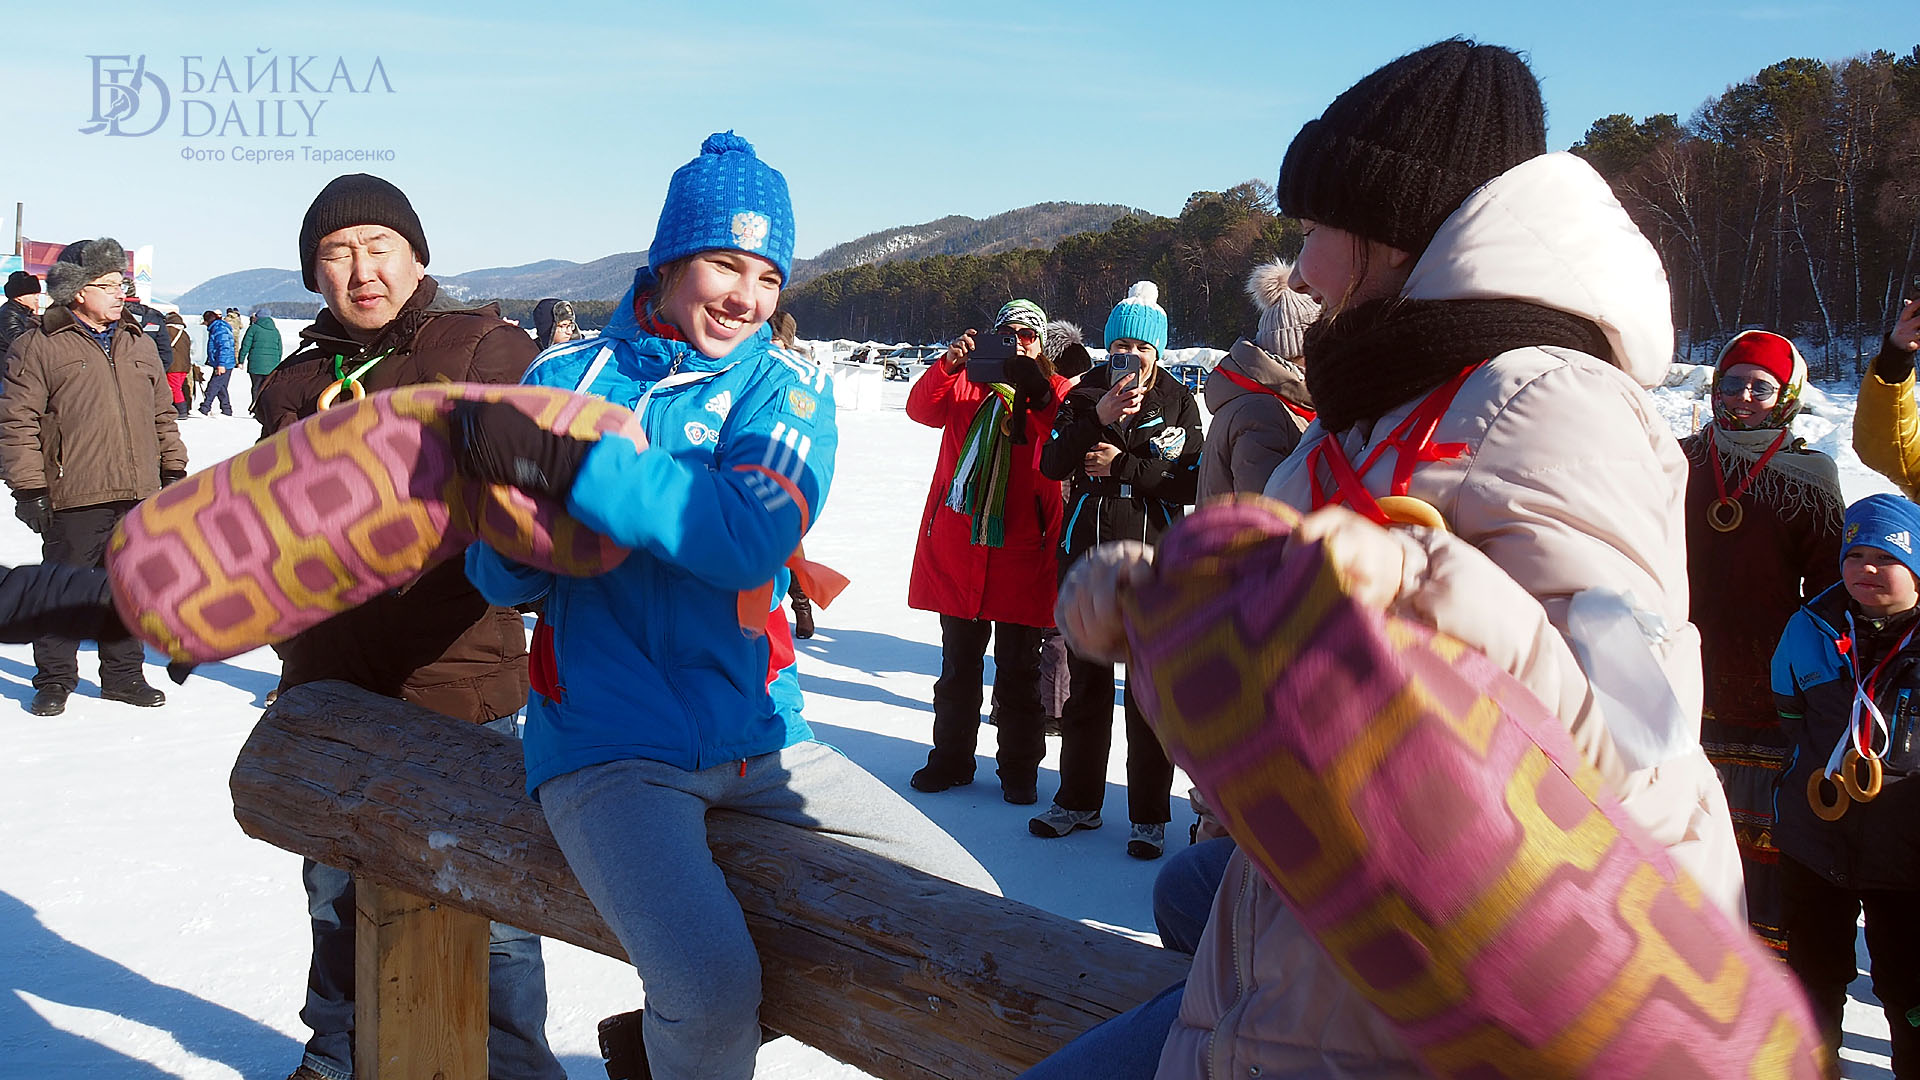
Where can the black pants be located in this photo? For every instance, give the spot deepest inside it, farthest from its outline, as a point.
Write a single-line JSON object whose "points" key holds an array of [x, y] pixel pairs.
{"points": [[959, 691], [1086, 740], [1820, 921], [78, 537]]}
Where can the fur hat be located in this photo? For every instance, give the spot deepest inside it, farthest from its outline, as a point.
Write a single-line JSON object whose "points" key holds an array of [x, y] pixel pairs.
{"points": [[1777, 357], [21, 283], [357, 199], [1394, 156], [1140, 317], [727, 198], [1065, 345], [83, 261], [1285, 312]]}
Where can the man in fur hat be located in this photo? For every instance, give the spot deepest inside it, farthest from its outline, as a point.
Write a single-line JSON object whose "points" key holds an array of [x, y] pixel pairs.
{"points": [[86, 431]]}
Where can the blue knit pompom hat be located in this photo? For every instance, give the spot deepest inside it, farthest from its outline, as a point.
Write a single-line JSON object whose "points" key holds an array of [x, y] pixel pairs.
{"points": [[1887, 522], [725, 198], [1139, 317]]}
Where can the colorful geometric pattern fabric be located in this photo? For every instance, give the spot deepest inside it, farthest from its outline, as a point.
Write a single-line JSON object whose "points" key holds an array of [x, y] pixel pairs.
{"points": [[330, 512], [1432, 826]]}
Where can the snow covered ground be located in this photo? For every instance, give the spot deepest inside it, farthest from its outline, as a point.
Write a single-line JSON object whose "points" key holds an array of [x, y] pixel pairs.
{"points": [[142, 936]]}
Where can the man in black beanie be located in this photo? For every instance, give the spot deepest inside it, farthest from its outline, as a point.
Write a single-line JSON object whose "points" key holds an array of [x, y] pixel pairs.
{"points": [[21, 312], [86, 431], [436, 643]]}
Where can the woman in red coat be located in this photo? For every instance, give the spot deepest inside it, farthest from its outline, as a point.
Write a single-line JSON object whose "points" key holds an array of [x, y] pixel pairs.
{"points": [[984, 560]]}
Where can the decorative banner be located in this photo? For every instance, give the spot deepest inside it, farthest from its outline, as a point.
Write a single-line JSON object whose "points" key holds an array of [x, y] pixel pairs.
{"points": [[143, 272]]}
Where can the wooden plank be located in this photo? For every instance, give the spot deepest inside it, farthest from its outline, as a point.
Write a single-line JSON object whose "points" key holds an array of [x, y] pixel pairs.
{"points": [[420, 988], [898, 972]]}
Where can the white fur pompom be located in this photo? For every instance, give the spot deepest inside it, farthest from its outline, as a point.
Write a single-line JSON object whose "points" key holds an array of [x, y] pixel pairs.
{"points": [[1268, 282], [1144, 292]]}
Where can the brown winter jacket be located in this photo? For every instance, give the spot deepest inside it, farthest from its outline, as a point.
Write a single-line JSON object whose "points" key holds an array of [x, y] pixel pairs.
{"points": [[86, 427], [1251, 433], [434, 643], [182, 348]]}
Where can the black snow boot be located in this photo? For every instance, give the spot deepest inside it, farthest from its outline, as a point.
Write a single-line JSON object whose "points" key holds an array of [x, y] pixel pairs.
{"points": [[621, 1048]]}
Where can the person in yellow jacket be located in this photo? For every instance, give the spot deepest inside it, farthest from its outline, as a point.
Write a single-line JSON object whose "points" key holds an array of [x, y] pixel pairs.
{"points": [[1886, 424]]}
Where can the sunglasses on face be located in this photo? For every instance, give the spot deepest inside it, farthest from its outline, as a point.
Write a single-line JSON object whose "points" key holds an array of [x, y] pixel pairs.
{"points": [[1027, 334], [1762, 389]]}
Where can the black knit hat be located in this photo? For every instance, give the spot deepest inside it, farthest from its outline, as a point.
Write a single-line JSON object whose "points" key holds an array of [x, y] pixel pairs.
{"points": [[21, 283], [1397, 153], [357, 199]]}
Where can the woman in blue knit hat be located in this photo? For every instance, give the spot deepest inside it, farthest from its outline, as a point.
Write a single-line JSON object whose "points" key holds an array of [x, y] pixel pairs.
{"points": [[1846, 680], [1128, 440], [665, 688]]}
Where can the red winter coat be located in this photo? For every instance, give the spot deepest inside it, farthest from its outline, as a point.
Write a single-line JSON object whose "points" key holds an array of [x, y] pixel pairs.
{"points": [[953, 576]]}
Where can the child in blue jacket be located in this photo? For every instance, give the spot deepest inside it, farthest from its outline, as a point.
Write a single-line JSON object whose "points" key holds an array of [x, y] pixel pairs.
{"points": [[1846, 681], [653, 703]]}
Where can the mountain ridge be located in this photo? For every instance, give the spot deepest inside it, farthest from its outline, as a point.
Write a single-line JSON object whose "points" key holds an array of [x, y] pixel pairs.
{"points": [[1040, 226]]}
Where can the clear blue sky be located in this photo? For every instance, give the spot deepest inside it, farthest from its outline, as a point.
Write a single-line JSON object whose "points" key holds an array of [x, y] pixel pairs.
{"points": [[524, 132]]}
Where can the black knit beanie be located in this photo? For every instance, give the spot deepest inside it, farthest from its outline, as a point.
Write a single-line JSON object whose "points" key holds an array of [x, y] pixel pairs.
{"points": [[357, 199], [21, 283], [1397, 153]]}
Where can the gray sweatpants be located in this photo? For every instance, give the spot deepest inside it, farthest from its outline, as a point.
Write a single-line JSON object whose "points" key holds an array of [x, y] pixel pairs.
{"points": [[635, 834]]}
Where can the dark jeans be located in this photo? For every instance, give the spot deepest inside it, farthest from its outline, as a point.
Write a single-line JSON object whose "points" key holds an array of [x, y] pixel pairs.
{"points": [[1820, 923], [516, 984], [1086, 738], [958, 692], [78, 537], [217, 391], [1126, 1047], [1183, 892]]}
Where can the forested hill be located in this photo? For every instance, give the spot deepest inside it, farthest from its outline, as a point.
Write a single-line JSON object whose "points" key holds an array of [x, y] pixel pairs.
{"points": [[1791, 202]]}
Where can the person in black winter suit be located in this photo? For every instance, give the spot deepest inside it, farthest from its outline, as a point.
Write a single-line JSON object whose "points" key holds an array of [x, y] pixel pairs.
{"points": [[1130, 445]]}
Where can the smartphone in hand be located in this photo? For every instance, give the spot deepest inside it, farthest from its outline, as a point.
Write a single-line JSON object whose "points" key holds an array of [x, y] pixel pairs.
{"points": [[987, 363], [1121, 365]]}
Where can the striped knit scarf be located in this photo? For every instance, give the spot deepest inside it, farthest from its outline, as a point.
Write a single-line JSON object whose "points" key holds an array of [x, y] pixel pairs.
{"points": [[980, 477]]}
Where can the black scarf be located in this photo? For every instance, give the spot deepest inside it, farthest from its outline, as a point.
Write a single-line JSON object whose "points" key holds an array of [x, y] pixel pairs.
{"points": [[1366, 362]]}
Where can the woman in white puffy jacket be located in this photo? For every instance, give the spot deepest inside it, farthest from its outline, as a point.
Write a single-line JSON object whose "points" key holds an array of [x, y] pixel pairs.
{"points": [[1492, 319]]}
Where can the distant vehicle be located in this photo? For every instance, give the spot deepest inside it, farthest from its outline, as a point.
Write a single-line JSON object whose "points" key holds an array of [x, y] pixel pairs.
{"points": [[898, 363], [1191, 376]]}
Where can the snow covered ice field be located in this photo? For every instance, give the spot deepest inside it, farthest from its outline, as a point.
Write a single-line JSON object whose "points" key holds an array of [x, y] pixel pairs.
{"points": [[143, 936]]}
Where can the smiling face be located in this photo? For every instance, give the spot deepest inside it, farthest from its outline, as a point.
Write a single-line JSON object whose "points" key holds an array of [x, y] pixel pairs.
{"points": [[367, 273], [719, 299], [1748, 393], [1340, 270], [1881, 584]]}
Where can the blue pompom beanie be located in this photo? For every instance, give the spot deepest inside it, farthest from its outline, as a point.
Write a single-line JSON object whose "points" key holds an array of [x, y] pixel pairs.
{"points": [[1887, 522], [725, 198], [1139, 317]]}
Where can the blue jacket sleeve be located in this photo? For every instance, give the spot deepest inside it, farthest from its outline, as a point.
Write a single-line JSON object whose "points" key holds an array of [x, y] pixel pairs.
{"points": [[503, 582], [731, 520]]}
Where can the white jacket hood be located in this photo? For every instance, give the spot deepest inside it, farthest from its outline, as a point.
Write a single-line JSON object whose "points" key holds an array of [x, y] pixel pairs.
{"points": [[1549, 231]]}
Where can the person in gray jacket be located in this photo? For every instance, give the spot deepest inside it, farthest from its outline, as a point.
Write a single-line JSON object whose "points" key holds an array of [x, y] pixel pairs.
{"points": [[1257, 395]]}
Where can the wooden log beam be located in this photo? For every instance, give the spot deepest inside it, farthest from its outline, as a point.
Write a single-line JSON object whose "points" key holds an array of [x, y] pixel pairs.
{"points": [[902, 974]]}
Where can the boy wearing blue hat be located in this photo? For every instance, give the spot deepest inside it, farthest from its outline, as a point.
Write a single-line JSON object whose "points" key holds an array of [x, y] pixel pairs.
{"points": [[665, 687], [1846, 678], [1128, 438]]}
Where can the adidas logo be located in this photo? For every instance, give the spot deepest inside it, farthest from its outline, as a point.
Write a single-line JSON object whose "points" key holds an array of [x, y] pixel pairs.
{"points": [[721, 404], [1902, 540]]}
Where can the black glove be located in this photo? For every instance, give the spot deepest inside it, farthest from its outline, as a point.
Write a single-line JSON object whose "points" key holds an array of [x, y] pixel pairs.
{"points": [[169, 477], [31, 506], [178, 671], [497, 443], [1031, 390]]}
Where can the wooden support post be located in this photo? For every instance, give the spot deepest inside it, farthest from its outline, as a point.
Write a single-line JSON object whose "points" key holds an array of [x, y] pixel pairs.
{"points": [[903, 974], [420, 988]]}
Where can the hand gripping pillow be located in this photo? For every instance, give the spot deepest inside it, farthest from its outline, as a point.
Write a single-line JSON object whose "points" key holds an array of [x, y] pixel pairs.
{"points": [[1433, 828], [329, 513]]}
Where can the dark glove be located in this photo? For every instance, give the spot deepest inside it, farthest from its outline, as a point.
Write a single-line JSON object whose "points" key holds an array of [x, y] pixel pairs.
{"points": [[1031, 390], [31, 506], [169, 477], [497, 443], [178, 671]]}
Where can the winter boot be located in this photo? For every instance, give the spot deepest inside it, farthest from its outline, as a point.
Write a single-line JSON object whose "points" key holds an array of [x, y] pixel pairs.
{"points": [[621, 1049], [49, 702], [802, 617]]}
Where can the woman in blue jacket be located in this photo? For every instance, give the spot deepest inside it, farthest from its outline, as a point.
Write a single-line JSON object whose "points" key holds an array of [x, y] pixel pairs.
{"points": [[653, 703]]}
